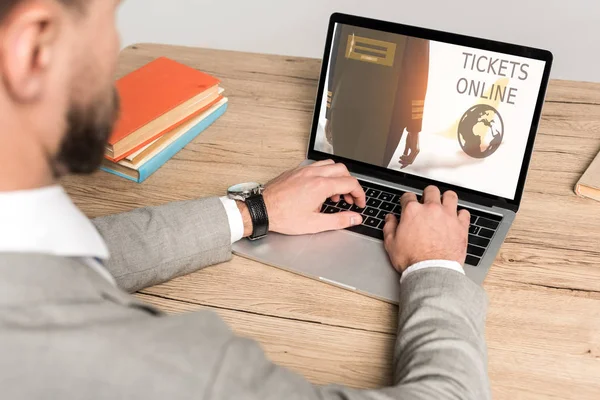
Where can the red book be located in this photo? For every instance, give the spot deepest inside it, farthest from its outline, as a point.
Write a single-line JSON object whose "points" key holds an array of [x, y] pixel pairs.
{"points": [[155, 99]]}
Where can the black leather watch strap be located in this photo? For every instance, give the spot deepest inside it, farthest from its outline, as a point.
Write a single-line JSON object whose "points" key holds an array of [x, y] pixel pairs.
{"points": [[258, 214]]}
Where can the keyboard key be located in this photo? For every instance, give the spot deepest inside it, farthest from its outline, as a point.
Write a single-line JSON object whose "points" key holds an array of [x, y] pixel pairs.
{"points": [[323, 207], [473, 218], [475, 250], [479, 241], [397, 210], [396, 199], [372, 193], [373, 222], [474, 230], [382, 214], [487, 223], [330, 203], [381, 224], [370, 212], [356, 208], [472, 260], [487, 233], [373, 202], [343, 205], [331, 210], [386, 196], [493, 217], [387, 206], [367, 231]]}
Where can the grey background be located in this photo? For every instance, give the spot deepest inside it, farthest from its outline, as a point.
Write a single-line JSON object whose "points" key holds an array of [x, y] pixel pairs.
{"points": [[570, 29]]}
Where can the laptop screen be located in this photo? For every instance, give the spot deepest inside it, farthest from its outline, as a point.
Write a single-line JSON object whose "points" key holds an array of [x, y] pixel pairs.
{"points": [[441, 111]]}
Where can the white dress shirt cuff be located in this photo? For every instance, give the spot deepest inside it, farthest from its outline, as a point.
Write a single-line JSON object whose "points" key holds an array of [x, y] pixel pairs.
{"points": [[453, 265], [236, 223]]}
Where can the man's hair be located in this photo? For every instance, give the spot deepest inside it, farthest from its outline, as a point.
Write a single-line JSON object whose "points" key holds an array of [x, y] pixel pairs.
{"points": [[7, 5]]}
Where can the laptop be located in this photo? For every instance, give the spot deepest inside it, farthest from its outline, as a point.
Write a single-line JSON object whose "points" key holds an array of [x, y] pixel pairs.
{"points": [[403, 108]]}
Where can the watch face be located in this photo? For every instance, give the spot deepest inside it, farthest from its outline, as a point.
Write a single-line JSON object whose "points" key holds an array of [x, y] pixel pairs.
{"points": [[243, 190]]}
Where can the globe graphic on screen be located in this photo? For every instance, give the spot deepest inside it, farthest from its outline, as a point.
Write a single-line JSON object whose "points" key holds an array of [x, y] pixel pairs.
{"points": [[480, 131]]}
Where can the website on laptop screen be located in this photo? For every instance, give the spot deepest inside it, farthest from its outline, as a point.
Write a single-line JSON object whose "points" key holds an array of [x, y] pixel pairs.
{"points": [[450, 113]]}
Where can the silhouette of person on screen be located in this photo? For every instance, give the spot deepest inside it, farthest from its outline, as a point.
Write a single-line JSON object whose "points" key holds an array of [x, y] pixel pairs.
{"points": [[376, 90]]}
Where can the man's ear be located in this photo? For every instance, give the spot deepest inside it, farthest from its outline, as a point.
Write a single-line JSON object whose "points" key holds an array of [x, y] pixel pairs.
{"points": [[27, 46]]}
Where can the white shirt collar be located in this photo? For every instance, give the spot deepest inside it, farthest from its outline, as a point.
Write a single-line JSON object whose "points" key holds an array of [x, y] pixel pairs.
{"points": [[45, 221]]}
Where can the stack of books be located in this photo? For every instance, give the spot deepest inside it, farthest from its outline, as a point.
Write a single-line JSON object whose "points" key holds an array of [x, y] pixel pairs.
{"points": [[164, 106]]}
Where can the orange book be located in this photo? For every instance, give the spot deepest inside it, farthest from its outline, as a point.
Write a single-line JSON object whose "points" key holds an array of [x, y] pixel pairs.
{"points": [[155, 99], [134, 160]]}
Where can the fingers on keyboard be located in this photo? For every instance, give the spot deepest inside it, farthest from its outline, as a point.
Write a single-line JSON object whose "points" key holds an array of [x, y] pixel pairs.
{"points": [[380, 203]]}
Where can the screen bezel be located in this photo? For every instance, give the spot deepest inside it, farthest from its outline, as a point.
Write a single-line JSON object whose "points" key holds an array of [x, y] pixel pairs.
{"points": [[445, 37]]}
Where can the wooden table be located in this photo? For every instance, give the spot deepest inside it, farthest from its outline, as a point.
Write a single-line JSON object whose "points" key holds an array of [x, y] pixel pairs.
{"points": [[543, 328]]}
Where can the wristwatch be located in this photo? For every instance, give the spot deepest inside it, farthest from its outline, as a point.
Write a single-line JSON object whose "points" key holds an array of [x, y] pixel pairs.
{"points": [[251, 194]]}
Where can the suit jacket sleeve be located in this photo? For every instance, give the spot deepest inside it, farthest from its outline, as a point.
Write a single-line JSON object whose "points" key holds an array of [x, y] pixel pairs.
{"points": [[440, 351], [152, 245], [414, 81]]}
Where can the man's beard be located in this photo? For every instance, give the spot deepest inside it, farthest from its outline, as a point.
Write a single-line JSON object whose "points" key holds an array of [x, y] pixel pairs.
{"points": [[88, 131]]}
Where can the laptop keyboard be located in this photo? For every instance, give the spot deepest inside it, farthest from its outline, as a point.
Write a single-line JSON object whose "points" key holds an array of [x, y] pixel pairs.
{"points": [[382, 201]]}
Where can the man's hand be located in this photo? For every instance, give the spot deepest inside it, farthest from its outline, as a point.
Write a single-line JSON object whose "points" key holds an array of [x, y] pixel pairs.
{"points": [[294, 200], [429, 231], [411, 150]]}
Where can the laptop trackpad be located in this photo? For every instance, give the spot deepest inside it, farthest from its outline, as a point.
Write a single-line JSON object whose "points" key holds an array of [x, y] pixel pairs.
{"points": [[342, 258]]}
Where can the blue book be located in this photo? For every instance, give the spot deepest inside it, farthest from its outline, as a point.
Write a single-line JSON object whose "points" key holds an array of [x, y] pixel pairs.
{"points": [[148, 168]]}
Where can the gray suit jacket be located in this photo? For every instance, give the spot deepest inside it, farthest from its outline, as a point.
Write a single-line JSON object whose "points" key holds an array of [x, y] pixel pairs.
{"points": [[67, 333]]}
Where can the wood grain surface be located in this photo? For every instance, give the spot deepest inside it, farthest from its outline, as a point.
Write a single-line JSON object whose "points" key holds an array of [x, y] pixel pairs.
{"points": [[543, 328]]}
